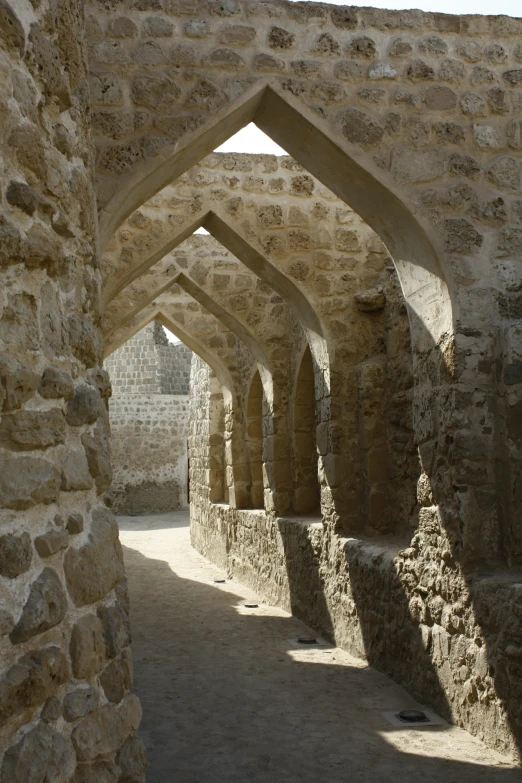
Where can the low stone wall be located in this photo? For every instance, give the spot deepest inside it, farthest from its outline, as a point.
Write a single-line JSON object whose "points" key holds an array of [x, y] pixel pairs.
{"points": [[446, 641]]}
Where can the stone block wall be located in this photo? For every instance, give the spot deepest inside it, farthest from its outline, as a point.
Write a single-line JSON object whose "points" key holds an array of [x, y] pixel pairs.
{"points": [[149, 364], [149, 423], [66, 713]]}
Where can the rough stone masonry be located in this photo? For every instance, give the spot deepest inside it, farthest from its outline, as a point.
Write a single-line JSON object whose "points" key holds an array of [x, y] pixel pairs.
{"points": [[411, 119]]}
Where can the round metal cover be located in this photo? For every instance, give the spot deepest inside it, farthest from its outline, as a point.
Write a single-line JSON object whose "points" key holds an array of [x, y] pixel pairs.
{"points": [[412, 716]]}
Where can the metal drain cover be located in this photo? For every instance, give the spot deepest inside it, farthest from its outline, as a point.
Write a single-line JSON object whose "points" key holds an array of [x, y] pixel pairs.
{"points": [[412, 716], [307, 640], [413, 719]]}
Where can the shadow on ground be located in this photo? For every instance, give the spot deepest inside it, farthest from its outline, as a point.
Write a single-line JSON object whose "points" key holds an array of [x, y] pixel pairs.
{"points": [[225, 700]]}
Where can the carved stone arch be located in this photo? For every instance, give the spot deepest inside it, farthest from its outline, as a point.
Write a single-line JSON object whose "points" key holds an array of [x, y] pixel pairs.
{"points": [[344, 168]]}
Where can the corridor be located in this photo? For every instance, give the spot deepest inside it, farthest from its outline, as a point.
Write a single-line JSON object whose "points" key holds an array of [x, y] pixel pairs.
{"points": [[228, 697]]}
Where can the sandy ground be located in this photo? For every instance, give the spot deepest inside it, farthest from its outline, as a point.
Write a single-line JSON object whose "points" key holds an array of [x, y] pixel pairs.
{"points": [[228, 697]]}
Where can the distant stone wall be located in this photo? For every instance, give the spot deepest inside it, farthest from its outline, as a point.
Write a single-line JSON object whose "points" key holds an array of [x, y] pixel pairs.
{"points": [[149, 423], [149, 364], [149, 452]]}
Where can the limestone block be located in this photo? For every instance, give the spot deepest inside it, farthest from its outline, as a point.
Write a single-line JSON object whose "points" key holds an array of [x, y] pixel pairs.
{"points": [[75, 471], [106, 729], [95, 567], [55, 384], [30, 430], [116, 679], [99, 772], [84, 407], [132, 759], [26, 481], [7, 622], [41, 751], [30, 681], [45, 607], [15, 554], [85, 340], [51, 542], [370, 301], [116, 628], [75, 523], [419, 165], [98, 456], [11, 29], [87, 647], [19, 384], [79, 703]]}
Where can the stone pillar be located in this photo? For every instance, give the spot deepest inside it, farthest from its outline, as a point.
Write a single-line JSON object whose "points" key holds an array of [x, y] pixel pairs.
{"points": [[64, 626]]}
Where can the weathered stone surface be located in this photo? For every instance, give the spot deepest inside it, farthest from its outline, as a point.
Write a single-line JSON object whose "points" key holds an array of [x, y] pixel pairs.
{"points": [[51, 542], [87, 647], [362, 129], [32, 680], [116, 628], [79, 703], [417, 165], [11, 29], [52, 710], [116, 679], [106, 729], [85, 340], [75, 523], [84, 407], [45, 607], [75, 471], [100, 380], [98, 772], [26, 481], [370, 301], [42, 755], [31, 430], [19, 383], [98, 456], [23, 196], [156, 92], [96, 566], [16, 554], [7, 622], [132, 760], [55, 384]]}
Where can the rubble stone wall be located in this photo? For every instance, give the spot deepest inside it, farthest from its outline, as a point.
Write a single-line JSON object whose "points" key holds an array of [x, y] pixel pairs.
{"points": [[66, 711]]}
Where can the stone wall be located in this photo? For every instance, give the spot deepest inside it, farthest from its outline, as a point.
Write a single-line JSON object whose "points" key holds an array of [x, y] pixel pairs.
{"points": [[149, 363], [401, 602], [149, 423], [66, 713]]}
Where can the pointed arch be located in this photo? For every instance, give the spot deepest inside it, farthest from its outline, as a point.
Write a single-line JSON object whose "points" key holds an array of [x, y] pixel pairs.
{"points": [[341, 166]]}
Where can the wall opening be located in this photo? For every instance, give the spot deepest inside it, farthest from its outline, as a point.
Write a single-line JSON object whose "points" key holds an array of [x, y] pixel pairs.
{"points": [[307, 495], [218, 487], [254, 440]]}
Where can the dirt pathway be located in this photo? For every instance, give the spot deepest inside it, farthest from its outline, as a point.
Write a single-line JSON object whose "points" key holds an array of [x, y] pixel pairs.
{"points": [[228, 698]]}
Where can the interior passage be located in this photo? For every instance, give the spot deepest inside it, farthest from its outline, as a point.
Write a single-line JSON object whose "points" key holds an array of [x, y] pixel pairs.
{"points": [[229, 696]]}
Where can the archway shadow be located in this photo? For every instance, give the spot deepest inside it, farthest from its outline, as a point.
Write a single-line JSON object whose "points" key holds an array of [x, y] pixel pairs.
{"points": [[225, 700]]}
